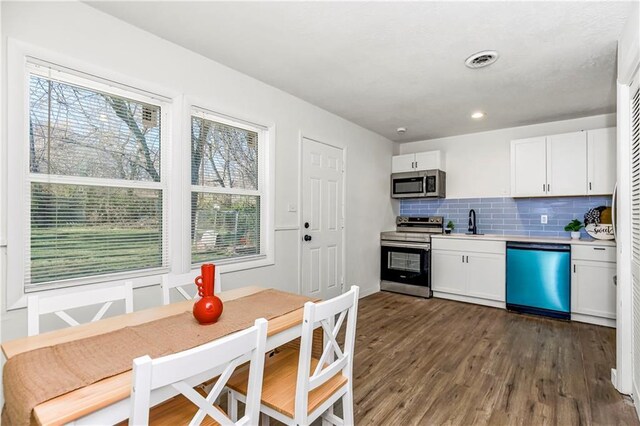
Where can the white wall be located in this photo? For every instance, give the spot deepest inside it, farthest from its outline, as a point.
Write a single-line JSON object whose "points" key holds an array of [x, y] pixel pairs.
{"points": [[85, 34], [478, 164]]}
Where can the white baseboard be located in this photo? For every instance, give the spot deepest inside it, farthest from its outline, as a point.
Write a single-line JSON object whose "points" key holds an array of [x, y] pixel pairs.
{"points": [[364, 292], [468, 299], [589, 319], [636, 399]]}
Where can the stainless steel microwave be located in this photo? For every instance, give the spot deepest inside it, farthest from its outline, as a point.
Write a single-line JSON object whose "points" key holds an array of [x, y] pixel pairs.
{"points": [[422, 184]]}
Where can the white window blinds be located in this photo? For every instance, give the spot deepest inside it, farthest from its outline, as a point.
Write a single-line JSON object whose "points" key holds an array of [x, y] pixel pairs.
{"points": [[96, 191], [226, 189]]}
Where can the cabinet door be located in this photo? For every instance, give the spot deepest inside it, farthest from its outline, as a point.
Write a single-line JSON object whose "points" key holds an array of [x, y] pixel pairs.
{"points": [[528, 167], [601, 161], [448, 272], [430, 160], [567, 164], [592, 289], [402, 163], [486, 276]]}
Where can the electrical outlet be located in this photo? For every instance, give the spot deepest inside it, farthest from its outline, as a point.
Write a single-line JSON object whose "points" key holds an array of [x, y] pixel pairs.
{"points": [[543, 219]]}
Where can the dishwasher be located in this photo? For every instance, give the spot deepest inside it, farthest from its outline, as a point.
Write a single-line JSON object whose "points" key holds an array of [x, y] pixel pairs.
{"points": [[539, 279]]}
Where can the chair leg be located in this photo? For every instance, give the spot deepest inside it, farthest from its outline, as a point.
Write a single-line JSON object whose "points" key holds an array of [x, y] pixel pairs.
{"points": [[232, 406], [325, 421], [264, 419], [347, 408]]}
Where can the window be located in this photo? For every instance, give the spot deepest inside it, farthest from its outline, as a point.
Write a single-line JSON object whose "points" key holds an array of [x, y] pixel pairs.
{"points": [[98, 192], [226, 189], [95, 192]]}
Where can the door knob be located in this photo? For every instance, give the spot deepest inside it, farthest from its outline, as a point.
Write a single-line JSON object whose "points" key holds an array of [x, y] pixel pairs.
{"points": [[307, 237]]}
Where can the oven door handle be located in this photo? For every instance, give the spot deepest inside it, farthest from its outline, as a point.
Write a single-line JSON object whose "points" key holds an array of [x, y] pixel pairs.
{"points": [[405, 245]]}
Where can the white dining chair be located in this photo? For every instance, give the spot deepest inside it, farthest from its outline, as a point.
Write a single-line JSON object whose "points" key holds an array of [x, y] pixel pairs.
{"points": [[297, 388], [156, 380], [180, 281], [42, 304]]}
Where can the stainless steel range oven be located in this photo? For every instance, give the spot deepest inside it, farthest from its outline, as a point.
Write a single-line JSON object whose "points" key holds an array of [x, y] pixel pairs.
{"points": [[405, 265]]}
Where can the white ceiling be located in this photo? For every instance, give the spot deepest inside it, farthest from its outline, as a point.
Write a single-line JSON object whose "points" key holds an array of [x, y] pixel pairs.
{"points": [[388, 64]]}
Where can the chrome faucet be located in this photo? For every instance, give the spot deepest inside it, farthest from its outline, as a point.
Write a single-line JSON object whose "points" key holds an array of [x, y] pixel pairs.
{"points": [[473, 228]]}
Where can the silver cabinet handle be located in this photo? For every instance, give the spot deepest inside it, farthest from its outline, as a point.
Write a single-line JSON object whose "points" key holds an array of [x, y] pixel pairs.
{"points": [[543, 188], [467, 259], [463, 259], [574, 268], [589, 186], [599, 248]]}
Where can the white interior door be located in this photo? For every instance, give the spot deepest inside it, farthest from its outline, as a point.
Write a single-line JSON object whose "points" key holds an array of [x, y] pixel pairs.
{"points": [[322, 219]]}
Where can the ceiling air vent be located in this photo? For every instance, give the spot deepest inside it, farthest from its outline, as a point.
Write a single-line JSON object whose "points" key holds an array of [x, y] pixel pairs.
{"points": [[481, 59]]}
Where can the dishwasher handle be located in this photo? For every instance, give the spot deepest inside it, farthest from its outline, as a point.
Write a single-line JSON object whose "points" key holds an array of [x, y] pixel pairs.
{"points": [[538, 246]]}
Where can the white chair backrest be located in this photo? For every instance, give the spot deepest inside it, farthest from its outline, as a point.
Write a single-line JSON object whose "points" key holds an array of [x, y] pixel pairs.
{"points": [[179, 373], [38, 305], [334, 358], [179, 281]]}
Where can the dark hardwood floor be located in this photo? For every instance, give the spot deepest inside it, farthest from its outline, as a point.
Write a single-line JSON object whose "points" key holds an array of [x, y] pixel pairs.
{"points": [[438, 362]]}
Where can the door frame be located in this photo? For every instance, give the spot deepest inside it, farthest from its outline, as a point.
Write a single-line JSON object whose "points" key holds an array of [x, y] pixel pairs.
{"points": [[301, 137]]}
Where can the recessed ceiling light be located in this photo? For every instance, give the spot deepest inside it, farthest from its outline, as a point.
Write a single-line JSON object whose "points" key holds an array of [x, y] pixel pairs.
{"points": [[401, 130], [478, 115], [481, 59]]}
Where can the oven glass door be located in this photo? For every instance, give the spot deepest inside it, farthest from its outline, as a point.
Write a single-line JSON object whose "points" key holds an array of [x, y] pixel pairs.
{"points": [[407, 265], [408, 186]]}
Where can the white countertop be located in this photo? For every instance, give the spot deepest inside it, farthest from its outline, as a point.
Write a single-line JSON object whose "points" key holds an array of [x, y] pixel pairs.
{"points": [[493, 237]]}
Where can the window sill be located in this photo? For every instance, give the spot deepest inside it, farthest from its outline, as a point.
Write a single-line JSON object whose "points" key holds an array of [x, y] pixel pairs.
{"points": [[149, 278], [239, 264]]}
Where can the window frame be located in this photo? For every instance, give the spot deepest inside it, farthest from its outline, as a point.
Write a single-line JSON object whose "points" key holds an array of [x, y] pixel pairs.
{"points": [[264, 191], [25, 61], [175, 163]]}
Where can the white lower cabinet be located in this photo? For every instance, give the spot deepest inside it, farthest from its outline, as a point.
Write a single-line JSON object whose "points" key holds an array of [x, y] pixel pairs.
{"points": [[474, 271], [486, 276], [593, 291], [448, 273], [470, 271]]}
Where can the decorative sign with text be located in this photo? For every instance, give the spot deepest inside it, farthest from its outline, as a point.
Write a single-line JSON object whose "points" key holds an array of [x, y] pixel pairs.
{"points": [[602, 231]]}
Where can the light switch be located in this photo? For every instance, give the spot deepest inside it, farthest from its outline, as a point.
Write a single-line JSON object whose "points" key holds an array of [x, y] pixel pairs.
{"points": [[292, 208], [543, 219]]}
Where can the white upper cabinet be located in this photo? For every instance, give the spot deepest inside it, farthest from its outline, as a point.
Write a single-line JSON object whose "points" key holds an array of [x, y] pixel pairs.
{"points": [[403, 163], [567, 164], [430, 160], [601, 167], [528, 167]]}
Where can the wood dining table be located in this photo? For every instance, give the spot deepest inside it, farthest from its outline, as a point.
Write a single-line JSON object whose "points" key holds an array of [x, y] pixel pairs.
{"points": [[107, 401]]}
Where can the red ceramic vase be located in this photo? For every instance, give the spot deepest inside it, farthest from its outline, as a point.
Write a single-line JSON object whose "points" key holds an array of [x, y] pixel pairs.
{"points": [[208, 308]]}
